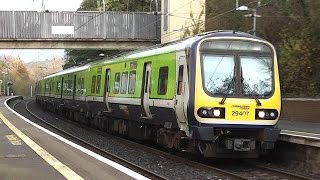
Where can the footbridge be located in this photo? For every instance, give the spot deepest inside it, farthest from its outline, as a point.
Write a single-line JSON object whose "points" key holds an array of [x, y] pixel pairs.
{"points": [[85, 30]]}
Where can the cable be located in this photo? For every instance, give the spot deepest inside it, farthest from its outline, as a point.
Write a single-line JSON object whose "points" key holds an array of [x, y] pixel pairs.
{"points": [[44, 5], [210, 19], [69, 34], [137, 31], [156, 22], [221, 14]]}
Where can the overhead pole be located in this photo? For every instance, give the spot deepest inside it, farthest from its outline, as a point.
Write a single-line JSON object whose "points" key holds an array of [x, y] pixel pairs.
{"points": [[104, 5], [157, 6]]}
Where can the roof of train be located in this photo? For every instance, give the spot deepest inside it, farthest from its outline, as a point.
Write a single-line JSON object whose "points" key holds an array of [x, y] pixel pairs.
{"points": [[154, 50]]}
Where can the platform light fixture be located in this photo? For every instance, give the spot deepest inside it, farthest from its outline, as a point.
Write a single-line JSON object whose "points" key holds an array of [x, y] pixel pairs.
{"points": [[253, 14]]}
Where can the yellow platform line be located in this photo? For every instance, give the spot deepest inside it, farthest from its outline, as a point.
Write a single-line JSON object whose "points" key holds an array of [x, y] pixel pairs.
{"points": [[55, 163]]}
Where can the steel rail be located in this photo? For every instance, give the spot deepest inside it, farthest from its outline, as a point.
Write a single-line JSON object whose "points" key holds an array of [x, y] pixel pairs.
{"points": [[132, 166]]}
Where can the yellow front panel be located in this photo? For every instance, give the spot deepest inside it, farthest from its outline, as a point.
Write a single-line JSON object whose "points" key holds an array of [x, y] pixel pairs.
{"points": [[237, 110]]}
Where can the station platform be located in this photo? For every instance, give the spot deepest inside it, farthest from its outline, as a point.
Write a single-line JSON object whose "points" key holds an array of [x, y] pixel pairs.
{"points": [[29, 152], [300, 132]]}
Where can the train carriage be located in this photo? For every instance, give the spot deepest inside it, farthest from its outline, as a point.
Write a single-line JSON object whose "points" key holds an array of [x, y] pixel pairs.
{"points": [[217, 93]]}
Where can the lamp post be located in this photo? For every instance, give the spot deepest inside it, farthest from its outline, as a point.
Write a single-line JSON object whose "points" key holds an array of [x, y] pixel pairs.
{"points": [[0, 86], [253, 14], [4, 83]]}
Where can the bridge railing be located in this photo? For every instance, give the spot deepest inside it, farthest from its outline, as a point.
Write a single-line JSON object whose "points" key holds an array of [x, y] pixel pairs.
{"points": [[124, 26]]}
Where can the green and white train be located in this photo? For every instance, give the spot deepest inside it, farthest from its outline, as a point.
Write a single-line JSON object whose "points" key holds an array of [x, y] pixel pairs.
{"points": [[217, 93]]}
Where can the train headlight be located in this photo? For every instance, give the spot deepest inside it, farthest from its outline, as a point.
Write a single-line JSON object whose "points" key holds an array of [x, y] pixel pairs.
{"points": [[205, 112], [272, 114], [266, 114], [211, 112], [261, 114], [216, 112]]}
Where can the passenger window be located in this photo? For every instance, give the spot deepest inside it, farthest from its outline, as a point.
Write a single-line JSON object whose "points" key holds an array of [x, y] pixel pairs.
{"points": [[70, 86], [124, 82], [163, 80], [58, 87], [116, 83], [180, 79], [82, 83], [98, 84], [80, 86], [132, 82], [52, 87], [79, 83], [67, 86], [146, 83], [47, 87], [93, 84]]}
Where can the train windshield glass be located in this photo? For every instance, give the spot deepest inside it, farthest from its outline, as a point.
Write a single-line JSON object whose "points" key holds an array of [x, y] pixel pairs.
{"points": [[219, 74], [256, 76]]}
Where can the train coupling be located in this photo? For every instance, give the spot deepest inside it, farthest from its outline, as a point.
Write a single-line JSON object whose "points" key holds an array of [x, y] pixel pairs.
{"points": [[240, 144]]}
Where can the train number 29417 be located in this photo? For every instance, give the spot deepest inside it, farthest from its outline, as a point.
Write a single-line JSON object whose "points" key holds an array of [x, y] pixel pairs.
{"points": [[240, 113]]}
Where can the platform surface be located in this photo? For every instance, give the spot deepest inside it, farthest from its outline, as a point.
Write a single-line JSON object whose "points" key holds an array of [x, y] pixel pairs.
{"points": [[27, 152], [300, 132]]}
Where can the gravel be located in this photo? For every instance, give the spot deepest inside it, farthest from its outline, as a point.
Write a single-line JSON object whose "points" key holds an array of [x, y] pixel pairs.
{"points": [[151, 161]]}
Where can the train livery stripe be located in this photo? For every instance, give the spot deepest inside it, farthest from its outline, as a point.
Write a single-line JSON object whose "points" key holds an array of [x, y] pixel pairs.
{"points": [[55, 163], [115, 165]]}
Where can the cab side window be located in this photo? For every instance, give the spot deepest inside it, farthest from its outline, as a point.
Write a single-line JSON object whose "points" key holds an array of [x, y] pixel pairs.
{"points": [[116, 83], [132, 82], [163, 80], [124, 82], [93, 84], [98, 84]]}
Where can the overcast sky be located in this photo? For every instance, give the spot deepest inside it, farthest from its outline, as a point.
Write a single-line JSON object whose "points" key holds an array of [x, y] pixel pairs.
{"points": [[39, 5], [28, 55]]}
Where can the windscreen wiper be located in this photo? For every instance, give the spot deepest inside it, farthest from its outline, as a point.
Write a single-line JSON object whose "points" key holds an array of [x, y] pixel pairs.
{"points": [[229, 87], [226, 94], [251, 92]]}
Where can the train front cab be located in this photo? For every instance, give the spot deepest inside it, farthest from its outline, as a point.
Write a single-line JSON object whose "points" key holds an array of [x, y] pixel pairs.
{"points": [[236, 94]]}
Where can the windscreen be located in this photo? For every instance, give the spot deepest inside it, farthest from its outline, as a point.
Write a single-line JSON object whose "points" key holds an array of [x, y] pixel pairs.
{"points": [[218, 74], [256, 76], [237, 68]]}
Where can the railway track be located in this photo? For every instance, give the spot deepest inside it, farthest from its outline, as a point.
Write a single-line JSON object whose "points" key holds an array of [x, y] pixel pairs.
{"points": [[279, 173], [251, 170], [246, 170], [100, 151]]}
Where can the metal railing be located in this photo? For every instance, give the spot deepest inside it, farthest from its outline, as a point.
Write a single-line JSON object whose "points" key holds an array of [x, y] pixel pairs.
{"points": [[122, 26]]}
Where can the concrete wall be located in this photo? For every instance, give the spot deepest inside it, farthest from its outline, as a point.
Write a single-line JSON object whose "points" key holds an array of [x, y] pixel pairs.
{"points": [[178, 15], [300, 109]]}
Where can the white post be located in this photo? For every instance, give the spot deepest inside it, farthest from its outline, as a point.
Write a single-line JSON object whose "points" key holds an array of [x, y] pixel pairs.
{"points": [[254, 12], [31, 91], [4, 87], [104, 5]]}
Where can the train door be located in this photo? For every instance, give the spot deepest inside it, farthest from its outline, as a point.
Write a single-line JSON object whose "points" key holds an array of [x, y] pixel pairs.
{"points": [[74, 87], [146, 90], [61, 88], [107, 90], [182, 93]]}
